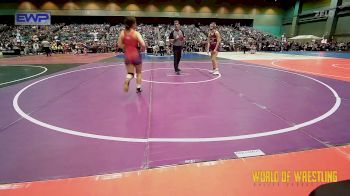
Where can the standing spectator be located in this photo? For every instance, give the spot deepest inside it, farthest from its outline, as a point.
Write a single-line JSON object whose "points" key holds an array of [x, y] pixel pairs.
{"points": [[161, 47], [46, 47], [35, 47]]}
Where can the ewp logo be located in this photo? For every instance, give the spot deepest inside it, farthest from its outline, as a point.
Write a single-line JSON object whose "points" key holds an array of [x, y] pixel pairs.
{"points": [[33, 19]]}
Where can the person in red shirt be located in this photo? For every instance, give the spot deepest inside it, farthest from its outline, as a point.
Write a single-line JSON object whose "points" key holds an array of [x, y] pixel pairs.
{"points": [[129, 40]]}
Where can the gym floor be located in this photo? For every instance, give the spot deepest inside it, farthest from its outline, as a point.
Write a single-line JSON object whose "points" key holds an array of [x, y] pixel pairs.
{"points": [[67, 127]]}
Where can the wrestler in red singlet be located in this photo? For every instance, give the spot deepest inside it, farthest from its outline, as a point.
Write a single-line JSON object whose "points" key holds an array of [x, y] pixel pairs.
{"points": [[214, 40], [129, 39]]}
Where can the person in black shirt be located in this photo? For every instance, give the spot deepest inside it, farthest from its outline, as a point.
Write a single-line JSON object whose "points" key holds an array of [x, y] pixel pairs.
{"points": [[177, 39]]}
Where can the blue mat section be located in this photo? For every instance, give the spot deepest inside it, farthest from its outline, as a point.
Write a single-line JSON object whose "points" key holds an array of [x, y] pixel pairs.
{"points": [[345, 55], [185, 56]]}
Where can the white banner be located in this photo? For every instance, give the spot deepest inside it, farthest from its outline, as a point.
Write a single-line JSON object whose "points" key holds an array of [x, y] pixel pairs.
{"points": [[249, 153]]}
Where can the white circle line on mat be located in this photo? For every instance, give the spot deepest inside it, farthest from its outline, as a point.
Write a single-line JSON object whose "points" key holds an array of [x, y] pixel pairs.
{"points": [[32, 76], [181, 140]]}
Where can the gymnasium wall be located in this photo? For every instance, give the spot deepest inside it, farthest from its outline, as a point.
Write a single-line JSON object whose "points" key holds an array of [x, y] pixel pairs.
{"points": [[316, 26], [312, 28], [287, 21], [342, 31], [286, 29], [309, 5]]}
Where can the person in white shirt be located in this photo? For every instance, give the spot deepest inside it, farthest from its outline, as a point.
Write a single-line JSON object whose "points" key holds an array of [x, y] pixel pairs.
{"points": [[46, 47], [95, 35], [155, 49], [35, 48], [161, 47]]}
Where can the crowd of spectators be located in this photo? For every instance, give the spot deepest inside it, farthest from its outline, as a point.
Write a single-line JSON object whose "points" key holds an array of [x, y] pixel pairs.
{"points": [[101, 38]]}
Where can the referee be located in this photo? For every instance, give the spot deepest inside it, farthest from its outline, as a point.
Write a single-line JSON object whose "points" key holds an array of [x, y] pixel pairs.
{"points": [[177, 39]]}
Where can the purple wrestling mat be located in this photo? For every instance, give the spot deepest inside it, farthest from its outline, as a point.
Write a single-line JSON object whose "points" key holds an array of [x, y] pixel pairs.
{"points": [[80, 122]]}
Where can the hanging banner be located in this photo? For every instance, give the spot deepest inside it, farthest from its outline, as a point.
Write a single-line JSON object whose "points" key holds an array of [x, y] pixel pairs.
{"points": [[33, 18]]}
